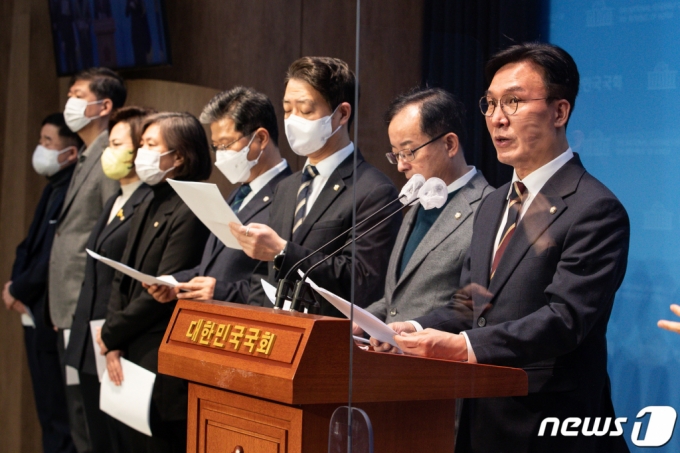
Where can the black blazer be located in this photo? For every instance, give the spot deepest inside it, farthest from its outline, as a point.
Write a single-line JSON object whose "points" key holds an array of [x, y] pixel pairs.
{"points": [[330, 215], [546, 310], [231, 267], [165, 237], [31, 264], [108, 240]]}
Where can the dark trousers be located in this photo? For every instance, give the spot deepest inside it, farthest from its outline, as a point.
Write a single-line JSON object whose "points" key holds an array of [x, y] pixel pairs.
{"points": [[74, 402], [168, 437], [48, 391]]}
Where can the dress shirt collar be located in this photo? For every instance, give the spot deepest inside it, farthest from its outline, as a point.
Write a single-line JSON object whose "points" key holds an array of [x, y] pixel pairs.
{"points": [[460, 182], [535, 181], [327, 166], [258, 183]]}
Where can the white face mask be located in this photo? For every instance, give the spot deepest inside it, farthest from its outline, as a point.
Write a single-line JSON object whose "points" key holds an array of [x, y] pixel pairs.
{"points": [[235, 164], [308, 136], [148, 166], [45, 161], [74, 113]]}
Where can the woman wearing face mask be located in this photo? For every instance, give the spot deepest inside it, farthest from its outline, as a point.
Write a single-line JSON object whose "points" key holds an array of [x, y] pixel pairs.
{"points": [[108, 239], [165, 237]]}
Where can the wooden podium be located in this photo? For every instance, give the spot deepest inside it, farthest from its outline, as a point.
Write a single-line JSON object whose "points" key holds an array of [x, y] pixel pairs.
{"points": [[268, 381]]}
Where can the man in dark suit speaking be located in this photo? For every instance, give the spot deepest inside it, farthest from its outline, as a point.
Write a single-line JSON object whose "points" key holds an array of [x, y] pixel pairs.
{"points": [[315, 205], [548, 252]]}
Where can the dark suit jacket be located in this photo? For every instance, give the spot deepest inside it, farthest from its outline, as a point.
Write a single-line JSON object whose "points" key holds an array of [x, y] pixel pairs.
{"points": [[31, 264], [108, 241], [546, 311], [231, 267], [330, 215], [165, 237]]}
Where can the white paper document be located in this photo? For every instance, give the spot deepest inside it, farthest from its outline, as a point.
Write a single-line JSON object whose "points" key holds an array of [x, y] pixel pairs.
{"points": [[371, 325], [100, 360], [205, 200], [131, 401], [72, 377], [27, 319], [127, 270]]}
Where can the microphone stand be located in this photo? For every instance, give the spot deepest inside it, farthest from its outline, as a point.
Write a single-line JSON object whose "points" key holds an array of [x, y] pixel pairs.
{"points": [[303, 295]]}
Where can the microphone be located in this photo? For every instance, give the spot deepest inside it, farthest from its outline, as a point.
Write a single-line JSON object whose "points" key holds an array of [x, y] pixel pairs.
{"points": [[408, 194], [432, 194]]}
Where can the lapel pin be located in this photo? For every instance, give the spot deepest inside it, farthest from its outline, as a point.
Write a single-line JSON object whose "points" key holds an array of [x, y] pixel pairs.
{"points": [[120, 215], [553, 210], [336, 187], [155, 224], [457, 216], [265, 199]]}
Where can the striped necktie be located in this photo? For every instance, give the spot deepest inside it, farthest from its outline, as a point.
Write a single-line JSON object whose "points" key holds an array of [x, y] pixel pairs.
{"points": [[241, 195], [514, 206], [308, 174]]}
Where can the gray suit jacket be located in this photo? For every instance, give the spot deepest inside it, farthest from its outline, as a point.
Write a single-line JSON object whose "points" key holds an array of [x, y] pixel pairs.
{"points": [[85, 200], [432, 274]]}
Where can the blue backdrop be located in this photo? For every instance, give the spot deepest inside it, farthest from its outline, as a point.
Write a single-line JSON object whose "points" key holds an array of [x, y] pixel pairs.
{"points": [[624, 128]]}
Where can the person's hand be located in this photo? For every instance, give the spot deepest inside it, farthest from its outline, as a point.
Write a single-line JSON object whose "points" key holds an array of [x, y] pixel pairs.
{"points": [[102, 347], [259, 241], [162, 293], [198, 288], [19, 308], [7, 297], [433, 344], [114, 367], [673, 326], [356, 330], [398, 327]]}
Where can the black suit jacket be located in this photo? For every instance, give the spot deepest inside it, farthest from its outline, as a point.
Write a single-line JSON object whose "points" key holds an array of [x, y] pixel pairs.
{"points": [[231, 267], [330, 215], [546, 310], [31, 264], [109, 241], [165, 237]]}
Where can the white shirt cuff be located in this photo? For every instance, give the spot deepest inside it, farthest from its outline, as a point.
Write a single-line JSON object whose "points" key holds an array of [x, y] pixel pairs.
{"points": [[472, 358], [417, 325]]}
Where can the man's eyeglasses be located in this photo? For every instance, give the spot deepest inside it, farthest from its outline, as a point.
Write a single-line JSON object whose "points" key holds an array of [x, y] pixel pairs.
{"points": [[407, 155], [221, 147], [509, 104]]}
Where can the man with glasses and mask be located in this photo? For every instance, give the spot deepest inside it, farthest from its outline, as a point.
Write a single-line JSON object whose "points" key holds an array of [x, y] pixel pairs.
{"points": [[245, 137], [426, 131], [548, 252], [93, 95], [315, 205]]}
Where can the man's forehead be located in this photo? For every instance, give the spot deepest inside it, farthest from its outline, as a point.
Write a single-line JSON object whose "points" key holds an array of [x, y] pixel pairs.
{"points": [[223, 128], [81, 86], [516, 77]]}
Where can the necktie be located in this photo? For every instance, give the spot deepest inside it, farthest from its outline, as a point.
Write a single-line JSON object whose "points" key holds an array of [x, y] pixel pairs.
{"points": [[241, 195], [514, 207], [308, 174]]}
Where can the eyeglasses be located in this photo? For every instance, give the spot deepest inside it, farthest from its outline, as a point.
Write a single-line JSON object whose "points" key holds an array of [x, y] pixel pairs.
{"points": [[407, 155], [509, 104], [220, 147]]}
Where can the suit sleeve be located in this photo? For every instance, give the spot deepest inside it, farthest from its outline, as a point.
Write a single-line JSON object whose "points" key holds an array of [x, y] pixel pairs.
{"points": [[183, 249], [187, 274], [372, 252], [30, 284], [590, 270]]}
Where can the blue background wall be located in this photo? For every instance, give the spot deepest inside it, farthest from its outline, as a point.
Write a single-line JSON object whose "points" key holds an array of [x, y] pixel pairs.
{"points": [[625, 126]]}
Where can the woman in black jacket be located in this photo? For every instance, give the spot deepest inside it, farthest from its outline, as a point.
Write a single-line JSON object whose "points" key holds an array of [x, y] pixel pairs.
{"points": [[108, 239], [165, 237]]}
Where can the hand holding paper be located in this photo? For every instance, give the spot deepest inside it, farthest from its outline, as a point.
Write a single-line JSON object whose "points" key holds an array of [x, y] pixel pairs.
{"points": [[130, 272]]}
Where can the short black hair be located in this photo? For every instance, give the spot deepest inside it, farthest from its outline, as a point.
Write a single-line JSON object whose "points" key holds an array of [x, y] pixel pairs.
{"points": [[331, 77], [183, 133], [105, 84], [69, 137], [440, 111], [560, 73], [134, 117], [248, 108]]}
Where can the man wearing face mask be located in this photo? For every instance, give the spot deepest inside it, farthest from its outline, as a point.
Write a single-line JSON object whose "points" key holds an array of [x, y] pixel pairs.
{"points": [[93, 95], [313, 206], [245, 137], [26, 292]]}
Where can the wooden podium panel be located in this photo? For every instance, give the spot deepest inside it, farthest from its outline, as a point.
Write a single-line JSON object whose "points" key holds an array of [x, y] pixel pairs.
{"points": [[268, 380]]}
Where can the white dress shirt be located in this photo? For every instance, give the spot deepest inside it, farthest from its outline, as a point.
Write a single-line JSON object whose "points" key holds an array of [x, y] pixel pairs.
{"points": [[258, 183], [325, 168], [126, 192]]}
